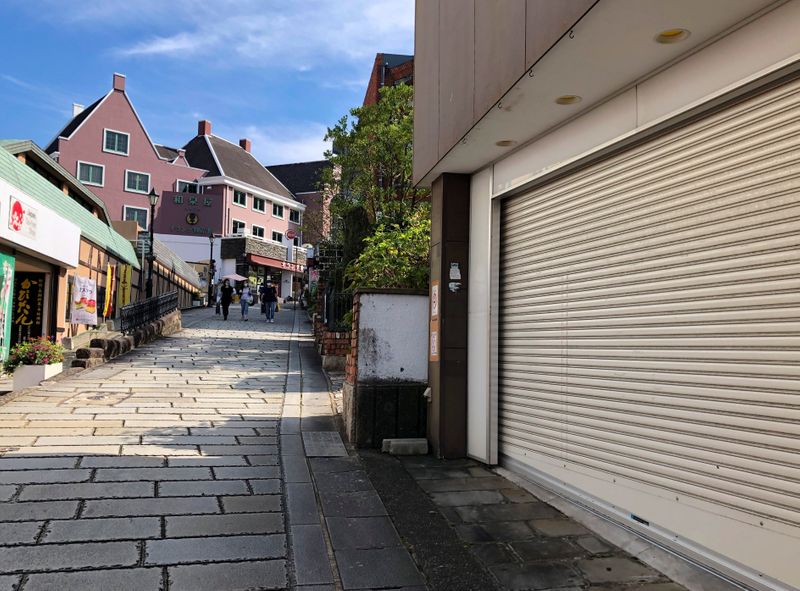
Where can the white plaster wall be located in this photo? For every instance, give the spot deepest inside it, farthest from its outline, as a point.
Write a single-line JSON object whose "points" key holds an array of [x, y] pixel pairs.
{"points": [[479, 398], [190, 248], [393, 337]]}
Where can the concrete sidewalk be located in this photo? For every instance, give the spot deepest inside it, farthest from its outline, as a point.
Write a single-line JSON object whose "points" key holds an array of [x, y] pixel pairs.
{"points": [[208, 460]]}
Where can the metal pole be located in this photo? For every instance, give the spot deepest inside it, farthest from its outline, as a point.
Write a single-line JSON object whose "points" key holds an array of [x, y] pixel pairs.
{"points": [[149, 289], [211, 270]]}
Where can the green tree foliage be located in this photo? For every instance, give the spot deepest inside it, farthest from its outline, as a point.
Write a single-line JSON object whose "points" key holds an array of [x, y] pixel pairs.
{"points": [[372, 159], [381, 220], [396, 255]]}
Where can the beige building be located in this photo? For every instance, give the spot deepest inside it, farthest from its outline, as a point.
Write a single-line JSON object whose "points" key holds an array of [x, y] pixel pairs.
{"points": [[616, 188]]}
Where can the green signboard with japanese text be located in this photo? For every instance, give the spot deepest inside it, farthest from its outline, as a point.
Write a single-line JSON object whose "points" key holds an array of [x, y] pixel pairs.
{"points": [[6, 302]]}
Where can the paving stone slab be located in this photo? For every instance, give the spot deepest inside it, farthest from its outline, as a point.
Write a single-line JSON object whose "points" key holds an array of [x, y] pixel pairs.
{"points": [[377, 568], [7, 491], [616, 569], [38, 511], [266, 487], [50, 557], [244, 576], [559, 527], [202, 488], [323, 444], [246, 472], [9, 582], [352, 504], [354, 481], [291, 445], [86, 490], [35, 463], [506, 512], [470, 497], [312, 566], [350, 533], [157, 506], [295, 469], [131, 474], [194, 462], [133, 579], [211, 525], [43, 476], [301, 504], [593, 545], [329, 465], [24, 532], [121, 462], [210, 549], [251, 504], [121, 528], [263, 460], [463, 484], [535, 577], [508, 531], [493, 554], [533, 550]]}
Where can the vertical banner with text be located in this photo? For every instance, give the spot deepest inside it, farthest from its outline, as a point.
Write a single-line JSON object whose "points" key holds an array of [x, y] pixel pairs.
{"points": [[28, 316], [83, 308], [6, 303]]}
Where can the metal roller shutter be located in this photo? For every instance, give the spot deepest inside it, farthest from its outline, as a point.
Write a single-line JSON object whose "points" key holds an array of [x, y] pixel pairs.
{"points": [[650, 317]]}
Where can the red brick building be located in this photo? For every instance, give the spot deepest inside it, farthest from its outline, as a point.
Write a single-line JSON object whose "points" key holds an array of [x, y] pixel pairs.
{"points": [[389, 69]]}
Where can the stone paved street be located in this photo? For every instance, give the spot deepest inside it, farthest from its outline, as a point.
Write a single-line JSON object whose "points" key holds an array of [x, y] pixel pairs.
{"points": [[170, 469]]}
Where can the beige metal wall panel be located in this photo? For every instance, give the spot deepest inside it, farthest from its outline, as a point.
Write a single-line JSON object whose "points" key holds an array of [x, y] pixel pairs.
{"points": [[456, 71], [426, 87], [650, 329], [547, 21]]}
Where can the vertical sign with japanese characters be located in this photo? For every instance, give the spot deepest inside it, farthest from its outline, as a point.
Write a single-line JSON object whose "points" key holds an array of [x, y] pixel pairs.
{"points": [[28, 308], [124, 287], [6, 303], [435, 345]]}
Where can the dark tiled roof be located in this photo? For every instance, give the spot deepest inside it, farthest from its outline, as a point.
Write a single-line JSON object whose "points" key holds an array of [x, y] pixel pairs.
{"points": [[392, 60], [199, 156], [300, 177], [73, 125], [235, 162], [167, 152]]}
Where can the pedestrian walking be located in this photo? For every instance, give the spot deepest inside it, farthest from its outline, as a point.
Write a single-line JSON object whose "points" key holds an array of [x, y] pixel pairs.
{"points": [[270, 299], [226, 296], [245, 299]]}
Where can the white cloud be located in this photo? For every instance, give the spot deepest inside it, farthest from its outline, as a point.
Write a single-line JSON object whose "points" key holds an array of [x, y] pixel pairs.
{"points": [[291, 35], [281, 144]]}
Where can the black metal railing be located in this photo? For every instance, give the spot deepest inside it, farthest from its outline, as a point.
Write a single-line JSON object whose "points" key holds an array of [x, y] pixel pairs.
{"points": [[138, 314], [337, 307]]}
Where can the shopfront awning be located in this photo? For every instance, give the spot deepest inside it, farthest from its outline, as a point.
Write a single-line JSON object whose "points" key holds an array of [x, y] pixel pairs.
{"points": [[275, 263]]}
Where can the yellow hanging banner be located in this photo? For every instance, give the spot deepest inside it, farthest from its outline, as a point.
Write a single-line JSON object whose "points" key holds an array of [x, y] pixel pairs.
{"points": [[124, 286], [108, 306]]}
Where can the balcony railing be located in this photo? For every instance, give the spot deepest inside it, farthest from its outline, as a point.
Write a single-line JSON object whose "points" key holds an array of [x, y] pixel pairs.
{"points": [[138, 314]]}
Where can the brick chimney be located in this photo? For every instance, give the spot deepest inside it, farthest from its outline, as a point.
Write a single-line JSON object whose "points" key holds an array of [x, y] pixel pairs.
{"points": [[204, 127], [245, 145], [119, 82]]}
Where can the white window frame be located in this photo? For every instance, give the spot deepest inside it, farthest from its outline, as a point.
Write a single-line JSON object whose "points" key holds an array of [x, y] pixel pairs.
{"points": [[297, 211], [233, 199], [125, 209], [279, 234], [283, 209], [253, 231], [264, 201], [178, 189], [105, 131], [129, 190], [78, 173], [234, 221], [296, 242]]}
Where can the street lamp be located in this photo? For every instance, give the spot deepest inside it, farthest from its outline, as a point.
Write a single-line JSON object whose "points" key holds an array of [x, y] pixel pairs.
{"points": [[153, 196], [211, 269]]}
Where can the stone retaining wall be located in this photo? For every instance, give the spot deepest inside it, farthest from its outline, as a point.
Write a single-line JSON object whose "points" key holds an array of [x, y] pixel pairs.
{"points": [[101, 350]]}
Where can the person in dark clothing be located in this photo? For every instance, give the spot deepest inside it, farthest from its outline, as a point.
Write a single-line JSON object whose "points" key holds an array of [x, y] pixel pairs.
{"points": [[269, 296], [227, 296]]}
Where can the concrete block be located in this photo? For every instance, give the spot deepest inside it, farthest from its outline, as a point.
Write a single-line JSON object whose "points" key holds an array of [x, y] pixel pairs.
{"points": [[405, 447]]}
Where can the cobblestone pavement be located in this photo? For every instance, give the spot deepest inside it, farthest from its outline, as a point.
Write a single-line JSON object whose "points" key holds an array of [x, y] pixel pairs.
{"points": [[170, 469]]}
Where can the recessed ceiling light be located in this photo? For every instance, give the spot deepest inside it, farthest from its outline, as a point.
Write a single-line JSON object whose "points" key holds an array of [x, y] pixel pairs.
{"points": [[505, 143], [672, 36], [568, 99]]}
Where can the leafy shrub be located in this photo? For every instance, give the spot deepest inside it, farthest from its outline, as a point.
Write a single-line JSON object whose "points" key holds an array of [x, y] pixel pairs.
{"points": [[38, 351]]}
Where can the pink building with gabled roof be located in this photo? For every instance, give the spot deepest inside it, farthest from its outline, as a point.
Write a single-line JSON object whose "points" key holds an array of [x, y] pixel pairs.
{"points": [[107, 147], [209, 187]]}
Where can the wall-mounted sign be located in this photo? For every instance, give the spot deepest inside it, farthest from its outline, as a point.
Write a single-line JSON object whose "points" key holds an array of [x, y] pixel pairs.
{"points": [[434, 299], [28, 311], [83, 306], [189, 214], [36, 229], [23, 218], [434, 341]]}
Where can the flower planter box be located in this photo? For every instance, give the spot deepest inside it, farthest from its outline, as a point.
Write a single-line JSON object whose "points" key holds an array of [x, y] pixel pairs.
{"points": [[26, 376]]}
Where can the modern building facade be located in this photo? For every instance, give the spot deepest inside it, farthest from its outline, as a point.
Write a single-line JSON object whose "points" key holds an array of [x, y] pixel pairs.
{"points": [[305, 181], [614, 261]]}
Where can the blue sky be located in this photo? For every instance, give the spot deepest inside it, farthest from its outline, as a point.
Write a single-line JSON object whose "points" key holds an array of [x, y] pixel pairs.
{"points": [[276, 71]]}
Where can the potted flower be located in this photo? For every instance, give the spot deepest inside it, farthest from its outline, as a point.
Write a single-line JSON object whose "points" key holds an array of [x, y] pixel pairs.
{"points": [[33, 361]]}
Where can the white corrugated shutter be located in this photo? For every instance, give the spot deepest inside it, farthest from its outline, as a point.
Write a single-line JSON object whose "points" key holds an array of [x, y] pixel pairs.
{"points": [[650, 317]]}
